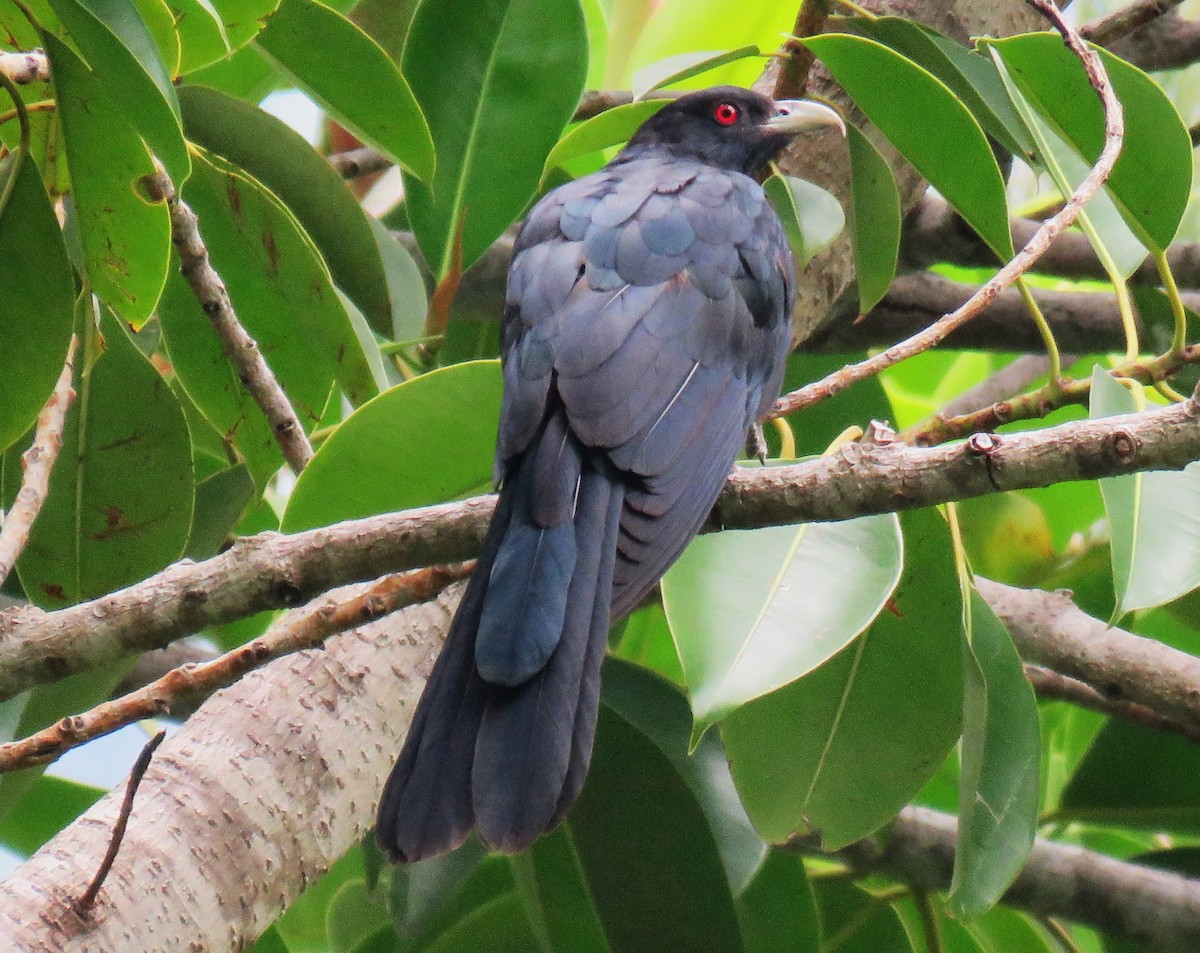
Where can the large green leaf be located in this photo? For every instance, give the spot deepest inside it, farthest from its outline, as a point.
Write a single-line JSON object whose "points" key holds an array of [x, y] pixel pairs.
{"points": [[285, 163], [122, 54], [874, 218], [51, 805], [684, 66], [126, 238], [637, 828], [498, 80], [998, 788], [777, 909], [314, 44], [557, 901], [1152, 179], [1136, 777], [611, 128], [752, 611], [243, 19], [812, 217], [386, 456], [37, 296], [919, 124], [1154, 518], [120, 502], [502, 921], [853, 921], [202, 36], [842, 749]]}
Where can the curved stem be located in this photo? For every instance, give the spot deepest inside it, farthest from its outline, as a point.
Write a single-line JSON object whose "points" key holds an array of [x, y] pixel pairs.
{"points": [[1043, 327], [1179, 340]]}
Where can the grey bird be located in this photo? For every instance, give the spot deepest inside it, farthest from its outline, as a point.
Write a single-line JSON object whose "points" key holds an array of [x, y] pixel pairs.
{"points": [[645, 333]]}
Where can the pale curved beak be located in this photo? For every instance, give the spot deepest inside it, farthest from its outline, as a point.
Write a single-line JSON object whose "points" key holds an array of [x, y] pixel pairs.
{"points": [[795, 115]]}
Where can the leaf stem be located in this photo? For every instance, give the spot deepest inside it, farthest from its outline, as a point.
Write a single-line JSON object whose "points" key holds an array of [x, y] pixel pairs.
{"points": [[1179, 340], [1043, 327]]}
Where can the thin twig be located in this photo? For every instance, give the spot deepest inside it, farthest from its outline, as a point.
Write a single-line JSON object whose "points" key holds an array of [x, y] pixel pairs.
{"points": [[797, 58], [30, 66], [85, 903], [1120, 23], [36, 465], [241, 349], [1021, 263], [1053, 686], [303, 629], [359, 162]]}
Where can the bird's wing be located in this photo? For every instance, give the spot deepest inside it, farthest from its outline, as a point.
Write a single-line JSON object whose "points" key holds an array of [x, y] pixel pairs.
{"points": [[653, 300]]}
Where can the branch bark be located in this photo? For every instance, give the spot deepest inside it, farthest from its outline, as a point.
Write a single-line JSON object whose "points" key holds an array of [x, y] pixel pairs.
{"points": [[275, 571], [30, 66], [1128, 19]]}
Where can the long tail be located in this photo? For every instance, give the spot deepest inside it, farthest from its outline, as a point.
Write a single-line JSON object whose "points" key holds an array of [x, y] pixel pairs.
{"points": [[503, 733]]}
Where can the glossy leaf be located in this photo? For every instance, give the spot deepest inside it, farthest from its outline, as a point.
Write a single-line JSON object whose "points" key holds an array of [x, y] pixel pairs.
{"points": [[38, 297], [221, 499], [998, 789], [812, 217], [51, 805], [660, 712], [498, 81], [1004, 930], [753, 611], [285, 163], [122, 54], [389, 118], [683, 66], [611, 128], [874, 219], [243, 19], [270, 942], [126, 238], [351, 917], [777, 909], [1136, 777], [919, 124], [842, 749], [853, 921], [557, 902], [201, 33], [160, 21], [386, 456], [501, 920], [121, 506], [1152, 179], [406, 287], [631, 797]]}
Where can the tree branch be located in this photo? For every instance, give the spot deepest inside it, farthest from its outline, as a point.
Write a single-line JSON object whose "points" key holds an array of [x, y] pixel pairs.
{"points": [[30, 66], [241, 349], [273, 571], [1120, 23], [37, 463], [1166, 43]]}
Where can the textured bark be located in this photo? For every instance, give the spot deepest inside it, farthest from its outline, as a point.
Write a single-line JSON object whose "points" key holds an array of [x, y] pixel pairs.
{"points": [[252, 800]]}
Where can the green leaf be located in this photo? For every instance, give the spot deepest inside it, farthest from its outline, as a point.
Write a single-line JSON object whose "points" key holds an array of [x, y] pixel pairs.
{"points": [[659, 711], [853, 921], [919, 123], [998, 788], [1152, 179], [201, 34], [1003, 930], [120, 503], [969, 75], [874, 218], [812, 217], [777, 909], [556, 897], [1136, 777], [386, 456], [611, 128], [123, 56], [285, 163], [406, 287], [243, 19], [160, 21], [683, 66], [501, 920], [498, 80], [270, 942], [38, 298], [631, 797], [221, 499], [352, 916], [844, 748], [388, 118], [126, 238], [753, 611], [429, 897], [51, 805]]}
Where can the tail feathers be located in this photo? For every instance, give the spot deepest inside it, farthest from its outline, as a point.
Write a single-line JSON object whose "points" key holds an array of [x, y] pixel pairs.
{"points": [[426, 807], [533, 746]]}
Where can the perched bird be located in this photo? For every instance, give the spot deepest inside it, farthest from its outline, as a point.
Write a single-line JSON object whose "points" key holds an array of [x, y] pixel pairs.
{"points": [[645, 332]]}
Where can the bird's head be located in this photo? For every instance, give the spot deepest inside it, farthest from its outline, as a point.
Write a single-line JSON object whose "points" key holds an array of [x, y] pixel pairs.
{"points": [[729, 127]]}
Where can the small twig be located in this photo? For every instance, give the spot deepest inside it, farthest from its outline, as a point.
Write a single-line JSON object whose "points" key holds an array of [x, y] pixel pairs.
{"points": [[359, 162], [303, 629], [31, 66], [1120, 23], [241, 349], [1003, 384], [36, 465], [797, 58], [1050, 229], [1062, 936], [929, 922], [1053, 686], [85, 903]]}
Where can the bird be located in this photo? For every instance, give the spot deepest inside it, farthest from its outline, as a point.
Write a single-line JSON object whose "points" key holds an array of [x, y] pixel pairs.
{"points": [[645, 335]]}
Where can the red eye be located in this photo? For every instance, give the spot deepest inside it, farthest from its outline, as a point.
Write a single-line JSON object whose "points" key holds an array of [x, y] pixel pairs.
{"points": [[726, 114]]}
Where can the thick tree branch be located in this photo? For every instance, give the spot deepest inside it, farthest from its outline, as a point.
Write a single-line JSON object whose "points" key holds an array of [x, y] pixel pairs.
{"points": [[300, 629], [37, 463], [1128, 19], [241, 349], [1167, 43], [273, 571]]}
